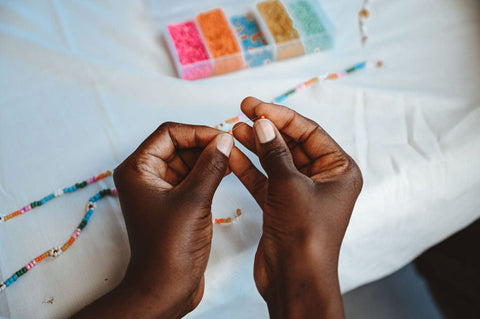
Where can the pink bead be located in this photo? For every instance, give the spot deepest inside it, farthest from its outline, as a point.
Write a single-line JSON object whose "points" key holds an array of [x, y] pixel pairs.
{"points": [[76, 233], [29, 207], [28, 267], [114, 191]]}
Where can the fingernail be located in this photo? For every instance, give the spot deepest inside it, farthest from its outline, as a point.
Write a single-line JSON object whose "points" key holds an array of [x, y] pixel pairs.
{"points": [[225, 143], [264, 130]]}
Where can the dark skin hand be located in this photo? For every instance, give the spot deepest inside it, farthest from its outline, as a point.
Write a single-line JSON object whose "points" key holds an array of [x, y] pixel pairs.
{"points": [[166, 188], [307, 201]]}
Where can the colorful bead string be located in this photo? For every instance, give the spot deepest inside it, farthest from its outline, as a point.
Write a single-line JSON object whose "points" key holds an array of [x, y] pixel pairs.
{"points": [[330, 76], [57, 251], [228, 220], [58, 193], [90, 208]]}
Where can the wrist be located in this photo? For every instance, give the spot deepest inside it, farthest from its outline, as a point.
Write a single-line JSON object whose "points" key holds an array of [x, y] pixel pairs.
{"points": [[133, 301], [304, 284], [304, 296]]}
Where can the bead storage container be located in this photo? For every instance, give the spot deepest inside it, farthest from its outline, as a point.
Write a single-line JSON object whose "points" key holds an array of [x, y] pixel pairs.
{"points": [[229, 36]]}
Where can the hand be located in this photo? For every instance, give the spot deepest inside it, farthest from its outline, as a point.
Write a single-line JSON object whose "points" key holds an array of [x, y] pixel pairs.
{"points": [[166, 189], [307, 201]]}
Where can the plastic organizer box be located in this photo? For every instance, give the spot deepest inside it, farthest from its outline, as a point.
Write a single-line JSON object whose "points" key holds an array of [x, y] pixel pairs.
{"points": [[235, 37]]}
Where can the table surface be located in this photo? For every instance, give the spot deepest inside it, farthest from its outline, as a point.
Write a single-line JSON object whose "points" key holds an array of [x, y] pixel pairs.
{"points": [[84, 82]]}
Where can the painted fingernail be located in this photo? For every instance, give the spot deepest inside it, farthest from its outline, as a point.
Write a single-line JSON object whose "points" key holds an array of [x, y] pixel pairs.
{"points": [[264, 130], [225, 143]]}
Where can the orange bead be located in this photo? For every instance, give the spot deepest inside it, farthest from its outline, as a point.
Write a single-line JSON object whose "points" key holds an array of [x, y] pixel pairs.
{"points": [[239, 212]]}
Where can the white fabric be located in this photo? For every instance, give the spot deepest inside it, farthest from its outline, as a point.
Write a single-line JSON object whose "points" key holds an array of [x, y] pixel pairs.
{"points": [[82, 83]]}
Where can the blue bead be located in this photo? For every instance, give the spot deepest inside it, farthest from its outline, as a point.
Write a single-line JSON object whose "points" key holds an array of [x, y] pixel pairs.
{"points": [[15, 277], [360, 66]]}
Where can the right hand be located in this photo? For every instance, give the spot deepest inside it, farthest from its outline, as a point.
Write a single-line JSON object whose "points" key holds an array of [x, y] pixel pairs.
{"points": [[307, 201]]}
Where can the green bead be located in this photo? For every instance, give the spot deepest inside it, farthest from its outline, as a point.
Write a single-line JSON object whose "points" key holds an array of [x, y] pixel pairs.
{"points": [[82, 225], [350, 70]]}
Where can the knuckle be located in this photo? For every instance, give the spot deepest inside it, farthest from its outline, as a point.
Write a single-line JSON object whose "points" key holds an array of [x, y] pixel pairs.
{"points": [[215, 165], [274, 153], [352, 174], [139, 164], [167, 124]]}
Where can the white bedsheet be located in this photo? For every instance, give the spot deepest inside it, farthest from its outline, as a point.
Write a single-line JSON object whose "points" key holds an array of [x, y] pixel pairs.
{"points": [[82, 83]]}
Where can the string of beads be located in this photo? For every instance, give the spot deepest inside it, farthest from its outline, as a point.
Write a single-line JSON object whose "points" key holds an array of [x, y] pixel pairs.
{"points": [[58, 193], [58, 250], [90, 208]]}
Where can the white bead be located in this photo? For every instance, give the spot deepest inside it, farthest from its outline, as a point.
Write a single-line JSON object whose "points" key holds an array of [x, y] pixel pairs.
{"points": [[55, 252], [58, 192], [3, 287], [2, 219], [90, 205]]}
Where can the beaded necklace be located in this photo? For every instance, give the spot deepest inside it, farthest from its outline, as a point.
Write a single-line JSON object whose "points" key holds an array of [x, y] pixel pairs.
{"points": [[90, 207]]}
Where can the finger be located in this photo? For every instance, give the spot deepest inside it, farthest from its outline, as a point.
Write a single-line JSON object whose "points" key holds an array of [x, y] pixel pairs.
{"points": [[248, 107], [315, 141], [273, 152], [209, 169], [253, 180], [162, 145], [245, 135]]}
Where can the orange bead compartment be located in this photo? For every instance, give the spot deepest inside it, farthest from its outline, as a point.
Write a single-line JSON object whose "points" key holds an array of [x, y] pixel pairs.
{"points": [[220, 41]]}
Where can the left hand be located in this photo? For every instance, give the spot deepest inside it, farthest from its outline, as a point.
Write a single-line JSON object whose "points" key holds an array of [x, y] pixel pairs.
{"points": [[166, 189]]}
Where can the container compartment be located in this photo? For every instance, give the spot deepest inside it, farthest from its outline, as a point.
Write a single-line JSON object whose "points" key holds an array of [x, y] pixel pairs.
{"points": [[188, 50], [253, 42], [316, 30], [221, 41], [279, 28]]}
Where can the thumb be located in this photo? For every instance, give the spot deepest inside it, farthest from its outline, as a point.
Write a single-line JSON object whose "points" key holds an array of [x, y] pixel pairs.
{"points": [[272, 150], [209, 169]]}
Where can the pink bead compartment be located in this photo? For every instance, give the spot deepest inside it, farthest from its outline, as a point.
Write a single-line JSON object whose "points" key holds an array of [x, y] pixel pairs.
{"points": [[190, 49]]}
